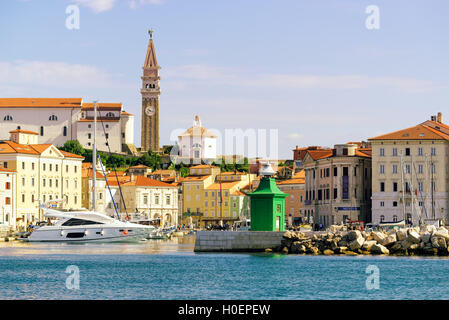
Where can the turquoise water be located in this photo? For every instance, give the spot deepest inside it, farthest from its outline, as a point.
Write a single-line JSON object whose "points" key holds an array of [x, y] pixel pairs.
{"points": [[170, 270]]}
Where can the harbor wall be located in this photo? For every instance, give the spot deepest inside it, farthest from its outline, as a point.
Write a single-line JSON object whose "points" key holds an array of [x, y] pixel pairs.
{"points": [[232, 241]]}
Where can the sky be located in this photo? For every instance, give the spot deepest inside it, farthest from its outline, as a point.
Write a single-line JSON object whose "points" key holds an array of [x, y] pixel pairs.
{"points": [[311, 70]]}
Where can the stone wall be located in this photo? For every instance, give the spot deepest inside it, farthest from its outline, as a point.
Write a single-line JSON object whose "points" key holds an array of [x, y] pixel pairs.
{"points": [[232, 241]]}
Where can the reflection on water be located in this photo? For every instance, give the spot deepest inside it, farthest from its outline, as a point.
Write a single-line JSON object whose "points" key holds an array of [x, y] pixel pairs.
{"points": [[176, 244]]}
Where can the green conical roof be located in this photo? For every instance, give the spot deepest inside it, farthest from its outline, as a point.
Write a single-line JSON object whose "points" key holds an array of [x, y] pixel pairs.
{"points": [[267, 186]]}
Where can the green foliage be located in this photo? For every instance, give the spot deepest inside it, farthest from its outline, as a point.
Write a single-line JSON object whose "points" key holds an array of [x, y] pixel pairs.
{"points": [[73, 146], [184, 171]]}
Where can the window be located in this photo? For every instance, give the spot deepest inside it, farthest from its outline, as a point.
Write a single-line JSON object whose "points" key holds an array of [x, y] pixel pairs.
{"points": [[79, 222], [110, 115], [89, 136], [335, 171], [419, 151], [381, 169], [167, 199], [107, 126], [433, 151], [420, 168], [382, 187], [43, 167], [7, 200], [395, 152], [382, 204], [145, 199], [51, 166], [8, 185], [5, 165], [382, 218], [156, 199], [407, 151], [7, 118], [107, 135], [23, 165], [42, 130], [395, 218], [382, 152], [32, 166], [395, 203], [23, 181], [395, 168], [395, 187], [53, 118], [64, 131], [23, 198], [345, 171], [335, 193]]}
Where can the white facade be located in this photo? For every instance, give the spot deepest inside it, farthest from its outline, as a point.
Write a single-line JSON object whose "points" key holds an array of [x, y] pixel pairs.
{"points": [[197, 142], [8, 197], [57, 120]]}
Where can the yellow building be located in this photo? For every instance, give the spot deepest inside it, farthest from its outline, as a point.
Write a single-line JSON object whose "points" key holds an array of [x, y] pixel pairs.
{"points": [[87, 188], [207, 195], [43, 173], [411, 173]]}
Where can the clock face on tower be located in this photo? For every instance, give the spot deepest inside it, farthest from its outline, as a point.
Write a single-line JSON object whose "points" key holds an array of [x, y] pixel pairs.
{"points": [[149, 111]]}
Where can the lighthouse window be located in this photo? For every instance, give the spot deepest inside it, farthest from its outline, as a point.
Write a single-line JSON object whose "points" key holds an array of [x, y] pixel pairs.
{"points": [[7, 118], [53, 118], [110, 114]]}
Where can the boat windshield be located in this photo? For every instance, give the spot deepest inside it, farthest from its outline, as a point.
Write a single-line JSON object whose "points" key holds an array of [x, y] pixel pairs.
{"points": [[79, 222]]}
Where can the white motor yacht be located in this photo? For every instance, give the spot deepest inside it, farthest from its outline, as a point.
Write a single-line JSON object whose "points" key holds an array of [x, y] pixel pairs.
{"points": [[87, 226]]}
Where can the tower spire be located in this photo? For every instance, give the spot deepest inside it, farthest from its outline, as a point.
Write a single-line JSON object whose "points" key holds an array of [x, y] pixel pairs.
{"points": [[150, 58]]}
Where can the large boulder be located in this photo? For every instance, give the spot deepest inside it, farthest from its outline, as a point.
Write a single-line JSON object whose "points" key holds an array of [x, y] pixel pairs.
{"points": [[353, 235], [356, 244], [379, 249], [367, 245], [389, 240], [425, 237], [413, 236], [401, 234], [442, 233], [328, 252], [379, 236], [438, 242]]}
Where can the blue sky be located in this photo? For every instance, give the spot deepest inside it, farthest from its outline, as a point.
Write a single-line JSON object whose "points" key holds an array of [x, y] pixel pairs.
{"points": [[310, 69]]}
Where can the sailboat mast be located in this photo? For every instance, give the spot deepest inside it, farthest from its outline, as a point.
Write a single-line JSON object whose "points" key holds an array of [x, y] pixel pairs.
{"points": [[94, 160]]}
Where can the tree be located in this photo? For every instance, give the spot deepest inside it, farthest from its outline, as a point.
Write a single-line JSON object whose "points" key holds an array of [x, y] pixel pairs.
{"points": [[73, 146]]}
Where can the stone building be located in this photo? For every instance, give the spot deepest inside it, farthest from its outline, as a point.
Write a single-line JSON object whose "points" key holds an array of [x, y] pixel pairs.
{"points": [[338, 184], [411, 173]]}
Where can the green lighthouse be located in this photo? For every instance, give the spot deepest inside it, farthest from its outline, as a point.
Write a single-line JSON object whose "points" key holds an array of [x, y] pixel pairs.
{"points": [[267, 204]]}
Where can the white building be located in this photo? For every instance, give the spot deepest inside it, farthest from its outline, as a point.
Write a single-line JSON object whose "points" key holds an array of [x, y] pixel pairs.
{"points": [[198, 143], [8, 197], [57, 120], [151, 199]]}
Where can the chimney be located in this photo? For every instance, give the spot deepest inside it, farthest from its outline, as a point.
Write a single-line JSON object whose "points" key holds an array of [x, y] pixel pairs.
{"points": [[440, 117]]}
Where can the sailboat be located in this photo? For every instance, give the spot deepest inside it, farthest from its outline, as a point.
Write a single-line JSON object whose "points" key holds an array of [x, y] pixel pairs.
{"points": [[87, 226]]}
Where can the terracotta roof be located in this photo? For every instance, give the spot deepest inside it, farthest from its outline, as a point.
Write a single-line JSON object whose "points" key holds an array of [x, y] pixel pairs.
{"points": [[223, 185], [231, 173], [419, 132], [292, 181], [195, 178], [139, 166], [24, 131], [320, 154], [364, 152], [12, 147], [238, 193], [126, 113], [89, 173], [198, 131], [139, 181], [6, 170], [40, 102], [102, 106], [300, 174], [203, 166]]}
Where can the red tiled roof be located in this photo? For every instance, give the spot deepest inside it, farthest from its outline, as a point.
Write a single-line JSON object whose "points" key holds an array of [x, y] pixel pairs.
{"points": [[24, 131], [419, 132], [40, 102]]}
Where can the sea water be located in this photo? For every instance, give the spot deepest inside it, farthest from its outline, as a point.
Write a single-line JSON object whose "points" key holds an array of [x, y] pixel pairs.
{"points": [[171, 270]]}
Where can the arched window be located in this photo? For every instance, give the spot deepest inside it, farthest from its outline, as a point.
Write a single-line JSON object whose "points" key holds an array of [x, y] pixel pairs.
{"points": [[110, 114], [53, 118], [42, 130], [7, 118], [65, 132], [18, 128]]}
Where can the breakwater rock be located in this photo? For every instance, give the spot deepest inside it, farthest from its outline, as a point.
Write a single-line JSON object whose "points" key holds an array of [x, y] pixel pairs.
{"points": [[423, 240]]}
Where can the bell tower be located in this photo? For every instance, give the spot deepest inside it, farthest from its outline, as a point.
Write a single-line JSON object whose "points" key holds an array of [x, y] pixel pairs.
{"points": [[150, 92]]}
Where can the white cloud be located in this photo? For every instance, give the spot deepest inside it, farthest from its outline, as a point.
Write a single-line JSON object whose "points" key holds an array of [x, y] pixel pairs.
{"points": [[34, 74], [97, 5], [135, 3], [213, 75]]}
